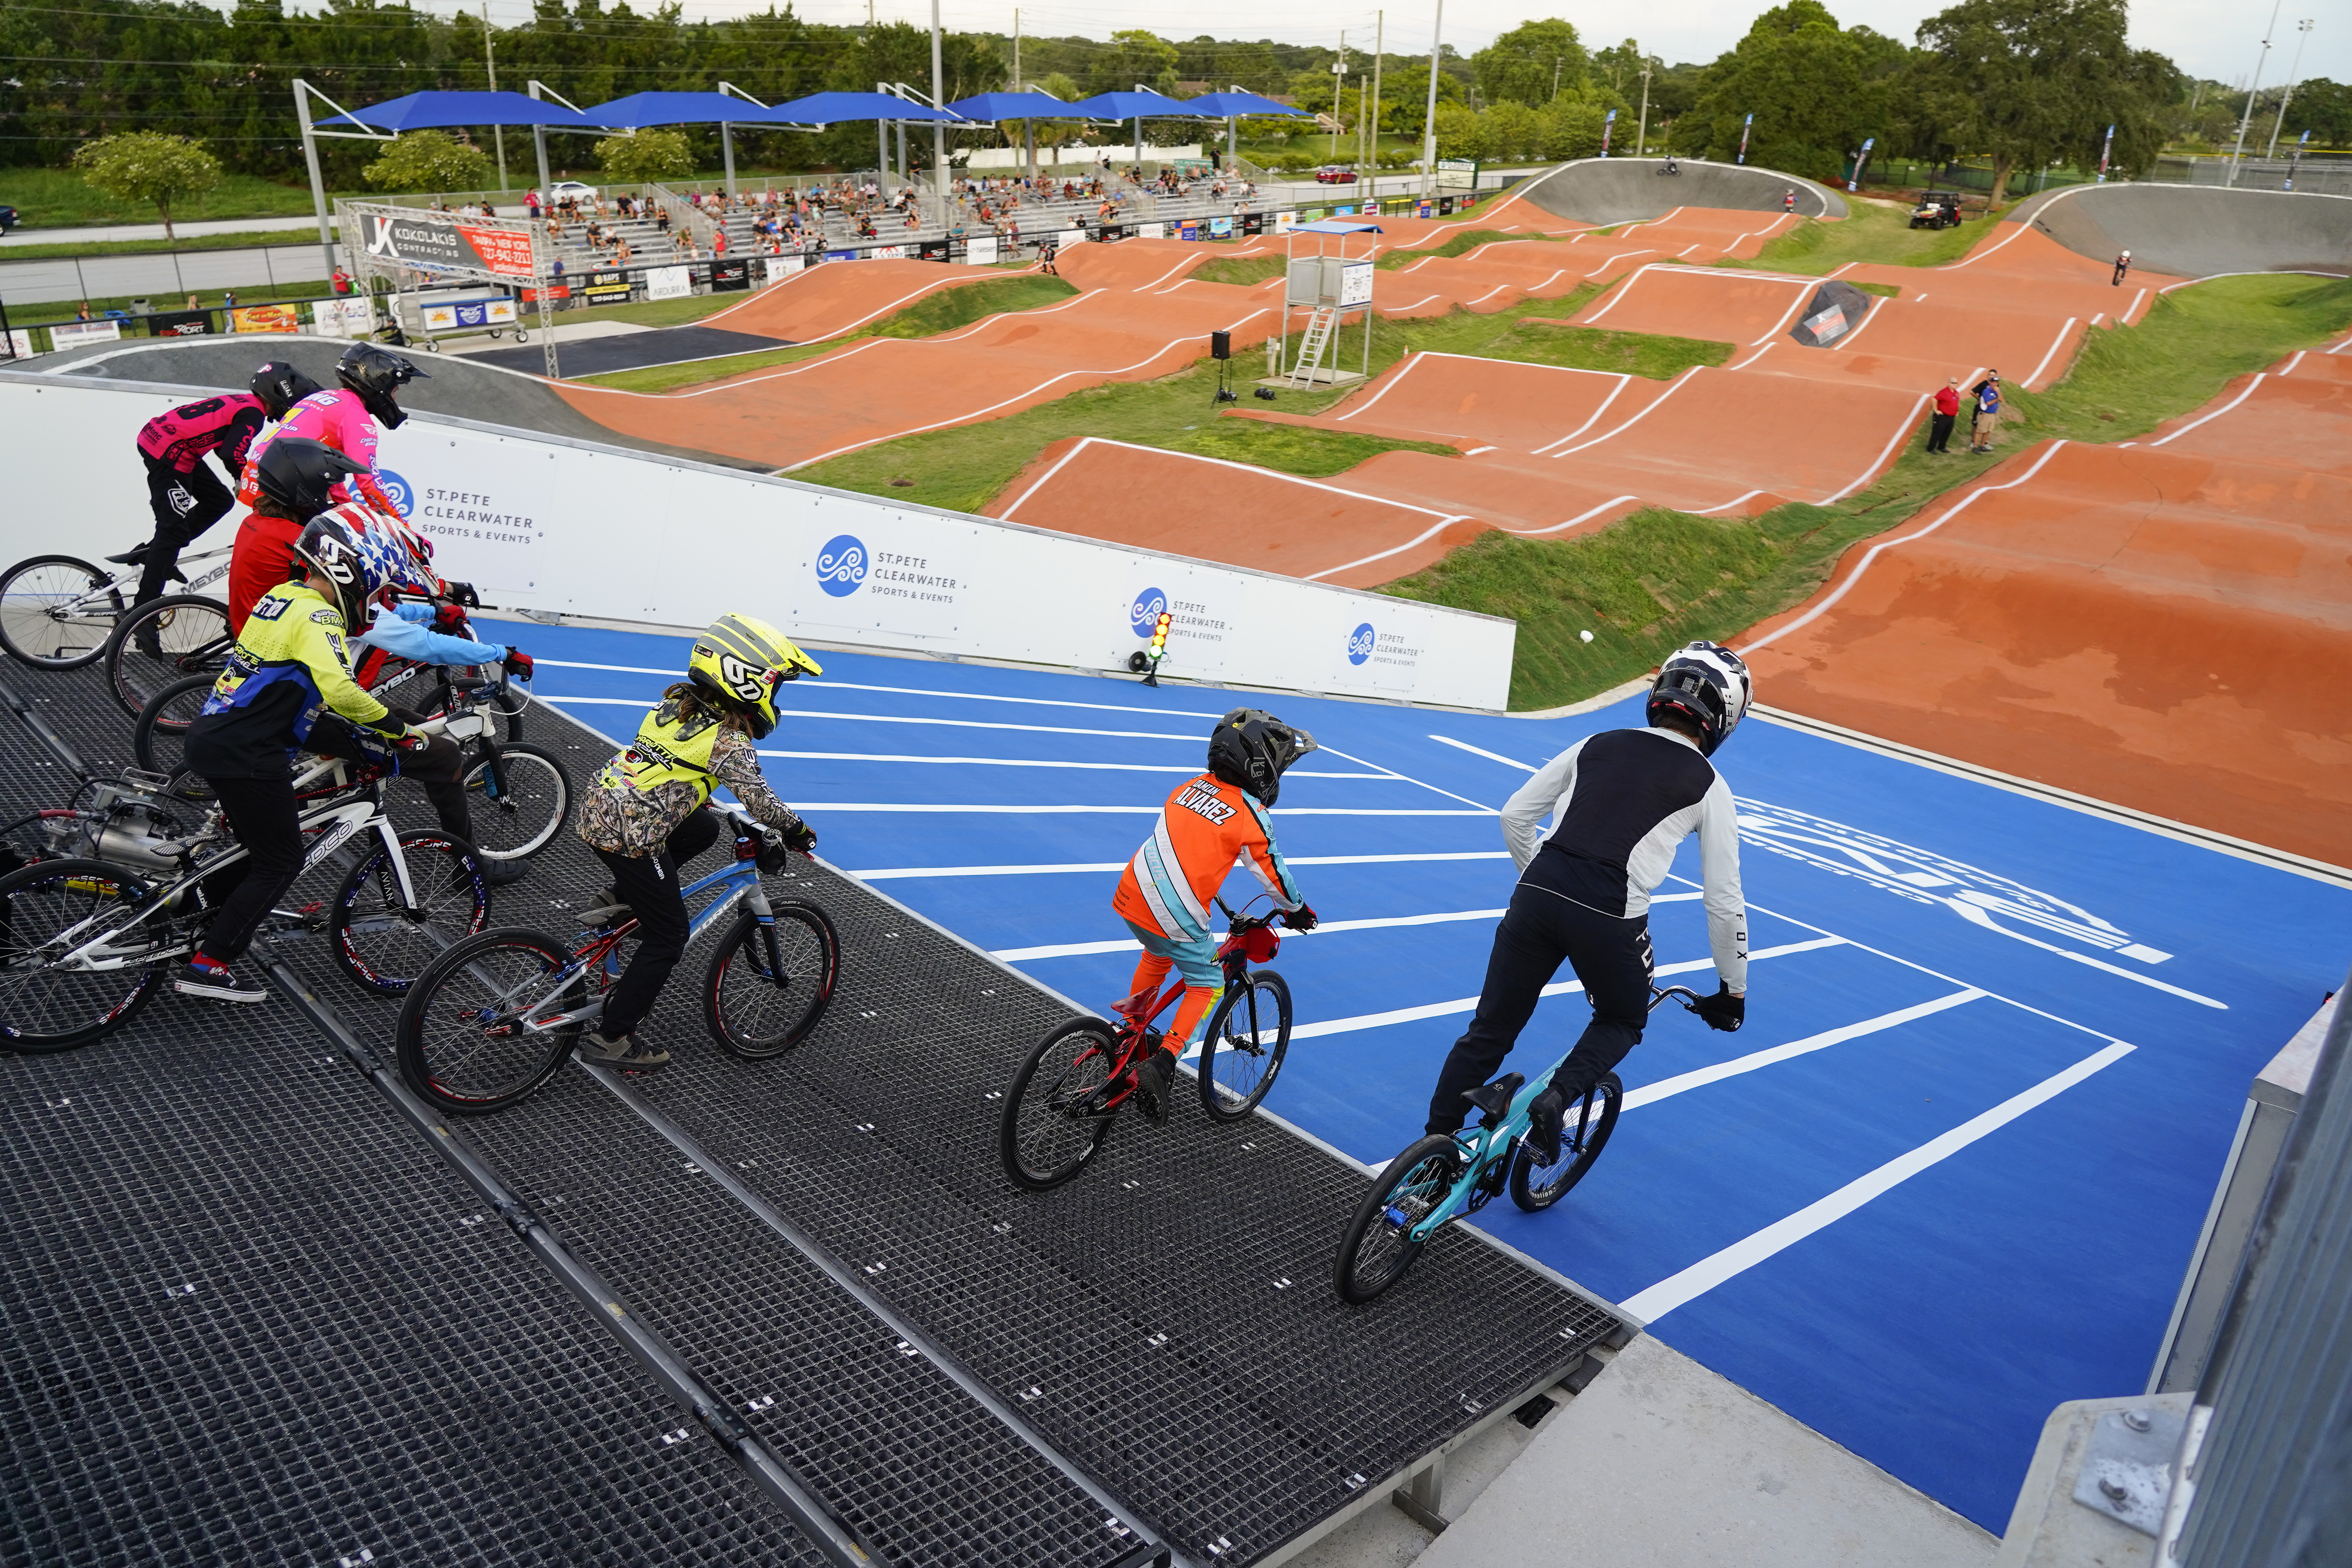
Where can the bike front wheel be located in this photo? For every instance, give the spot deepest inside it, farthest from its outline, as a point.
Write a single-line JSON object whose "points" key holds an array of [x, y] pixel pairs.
{"points": [[1535, 1187], [518, 803], [1376, 1249], [463, 1038], [56, 612], [1243, 1048], [163, 724], [768, 984], [383, 940], [1057, 1112], [42, 1006], [164, 641]]}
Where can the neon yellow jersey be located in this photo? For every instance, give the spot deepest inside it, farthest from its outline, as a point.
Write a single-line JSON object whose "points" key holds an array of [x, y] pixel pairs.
{"points": [[290, 666]]}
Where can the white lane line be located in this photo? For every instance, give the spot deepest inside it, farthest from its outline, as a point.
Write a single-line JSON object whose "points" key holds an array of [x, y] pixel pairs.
{"points": [[1368, 402], [1482, 752], [1696, 1280], [2056, 344], [1034, 762], [1440, 526], [2192, 425], [903, 871], [1594, 320], [915, 718], [1614, 392], [1559, 988], [1650, 1093], [1483, 809], [1081, 949], [946, 809], [1979, 916], [1571, 522], [1870, 313], [1679, 383], [1902, 428], [1794, 306], [833, 685]]}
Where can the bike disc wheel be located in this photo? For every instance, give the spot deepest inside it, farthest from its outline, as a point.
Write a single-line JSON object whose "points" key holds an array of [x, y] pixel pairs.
{"points": [[35, 626], [519, 812], [1535, 1187], [1243, 1048], [43, 1008], [1052, 1123], [163, 724], [459, 1038], [190, 633], [761, 1003], [382, 943], [1375, 1250]]}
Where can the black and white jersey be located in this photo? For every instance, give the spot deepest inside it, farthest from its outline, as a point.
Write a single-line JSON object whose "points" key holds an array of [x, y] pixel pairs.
{"points": [[1620, 803]]}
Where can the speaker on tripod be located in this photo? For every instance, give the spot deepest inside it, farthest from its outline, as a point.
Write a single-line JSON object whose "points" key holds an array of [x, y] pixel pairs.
{"points": [[1221, 349]]}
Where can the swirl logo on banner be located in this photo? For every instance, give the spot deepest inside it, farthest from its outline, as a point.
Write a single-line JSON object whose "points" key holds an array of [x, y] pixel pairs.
{"points": [[841, 565], [1359, 644], [1144, 614], [396, 489]]}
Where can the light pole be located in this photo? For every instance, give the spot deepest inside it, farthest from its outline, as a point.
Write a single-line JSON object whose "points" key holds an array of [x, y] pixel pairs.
{"points": [[1642, 134], [939, 128], [2304, 29], [2239, 150], [1429, 126]]}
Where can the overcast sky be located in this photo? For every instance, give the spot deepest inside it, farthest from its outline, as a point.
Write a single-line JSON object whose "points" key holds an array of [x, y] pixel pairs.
{"points": [[2216, 38]]}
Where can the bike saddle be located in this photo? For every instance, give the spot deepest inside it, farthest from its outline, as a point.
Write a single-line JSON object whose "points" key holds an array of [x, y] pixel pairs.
{"points": [[608, 914], [1495, 1099], [134, 556]]}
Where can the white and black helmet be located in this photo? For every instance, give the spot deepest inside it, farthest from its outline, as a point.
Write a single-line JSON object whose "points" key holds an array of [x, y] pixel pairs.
{"points": [[1706, 684]]}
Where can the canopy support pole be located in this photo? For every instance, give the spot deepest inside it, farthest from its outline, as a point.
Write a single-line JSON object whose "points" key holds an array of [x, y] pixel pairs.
{"points": [[727, 155], [939, 129], [1429, 126], [303, 93]]}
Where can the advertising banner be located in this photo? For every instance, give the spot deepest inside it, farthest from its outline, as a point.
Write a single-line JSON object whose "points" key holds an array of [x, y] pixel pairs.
{"points": [[1189, 229], [1355, 284], [1071, 236], [20, 343], [1219, 227], [1253, 223], [607, 288], [180, 323], [932, 250], [345, 317], [265, 319], [542, 524], [73, 334], [979, 250], [437, 240], [668, 283], [1151, 231], [779, 267], [730, 275], [889, 253], [1283, 220]]}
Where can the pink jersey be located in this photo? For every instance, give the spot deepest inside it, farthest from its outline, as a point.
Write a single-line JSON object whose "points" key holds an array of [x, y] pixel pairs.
{"points": [[226, 425], [338, 418]]}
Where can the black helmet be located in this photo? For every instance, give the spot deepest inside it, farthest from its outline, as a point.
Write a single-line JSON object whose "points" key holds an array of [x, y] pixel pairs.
{"points": [[329, 549], [1706, 684], [1250, 749], [376, 374], [280, 386], [295, 475]]}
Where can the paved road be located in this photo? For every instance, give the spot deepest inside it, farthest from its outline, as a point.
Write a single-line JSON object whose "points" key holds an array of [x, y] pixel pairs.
{"points": [[163, 277], [109, 235]]}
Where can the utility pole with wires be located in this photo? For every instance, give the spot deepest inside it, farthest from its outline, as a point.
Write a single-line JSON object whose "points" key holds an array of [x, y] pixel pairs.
{"points": [[1379, 42], [1642, 135], [1339, 91], [939, 129], [1429, 123], [2247, 119], [2304, 29], [490, 59]]}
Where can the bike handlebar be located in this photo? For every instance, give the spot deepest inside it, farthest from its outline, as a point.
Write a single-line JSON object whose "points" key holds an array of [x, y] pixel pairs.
{"points": [[1684, 994]]}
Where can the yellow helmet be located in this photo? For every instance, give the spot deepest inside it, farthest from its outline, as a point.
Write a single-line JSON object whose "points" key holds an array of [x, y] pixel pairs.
{"points": [[739, 661]]}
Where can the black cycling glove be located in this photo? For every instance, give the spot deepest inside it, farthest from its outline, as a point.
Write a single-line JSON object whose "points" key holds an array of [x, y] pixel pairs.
{"points": [[1300, 919], [1723, 1010], [799, 835]]}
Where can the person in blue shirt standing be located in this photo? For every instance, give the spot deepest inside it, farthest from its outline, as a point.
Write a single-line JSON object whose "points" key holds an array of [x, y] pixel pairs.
{"points": [[1986, 394]]}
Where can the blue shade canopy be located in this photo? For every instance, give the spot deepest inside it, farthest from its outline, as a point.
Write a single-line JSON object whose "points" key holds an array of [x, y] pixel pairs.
{"points": [[996, 106], [1221, 104], [438, 111], [642, 108], [1337, 225], [1128, 106], [832, 108]]}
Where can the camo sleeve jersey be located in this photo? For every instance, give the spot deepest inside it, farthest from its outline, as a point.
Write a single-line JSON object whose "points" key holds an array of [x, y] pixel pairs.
{"points": [[1208, 829], [337, 417]]}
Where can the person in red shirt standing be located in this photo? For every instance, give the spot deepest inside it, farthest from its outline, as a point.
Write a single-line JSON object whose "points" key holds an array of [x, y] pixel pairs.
{"points": [[1947, 409]]}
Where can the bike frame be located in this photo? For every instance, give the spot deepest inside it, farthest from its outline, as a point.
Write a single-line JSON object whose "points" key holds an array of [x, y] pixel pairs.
{"points": [[100, 600]]}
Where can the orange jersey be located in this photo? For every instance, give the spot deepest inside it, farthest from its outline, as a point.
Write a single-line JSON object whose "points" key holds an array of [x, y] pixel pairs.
{"points": [[1208, 829]]}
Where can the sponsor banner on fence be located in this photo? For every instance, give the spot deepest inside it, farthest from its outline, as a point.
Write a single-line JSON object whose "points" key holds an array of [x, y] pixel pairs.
{"points": [[1219, 227], [1151, 231], [730, 275], [979, 250], [180, 323], [265, 319], [779, 267], [669, 282], [1189, 229], [889, 253], [437, 240], [610, 288], [345, 317], [1253, 223], [73, 334], [1071, 236], [1285, 220], [450, 315], [932, 250], [20, 343], [565, 535]]}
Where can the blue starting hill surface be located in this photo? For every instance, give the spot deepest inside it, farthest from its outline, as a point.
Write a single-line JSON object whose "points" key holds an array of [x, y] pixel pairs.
{"points": [[1948, 1176]]}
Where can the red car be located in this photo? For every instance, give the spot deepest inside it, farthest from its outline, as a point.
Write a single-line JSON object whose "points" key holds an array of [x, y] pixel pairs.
{"points": [[1335, 174]]}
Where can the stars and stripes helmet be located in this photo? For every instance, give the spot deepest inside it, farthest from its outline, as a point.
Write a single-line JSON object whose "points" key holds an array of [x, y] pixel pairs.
{"points": [[1707, 684], [738, 661]]}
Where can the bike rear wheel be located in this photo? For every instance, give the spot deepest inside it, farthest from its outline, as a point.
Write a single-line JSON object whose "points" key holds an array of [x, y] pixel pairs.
{"points": [[383, 943], [42, 1007], [517, 812], [769, 985], [1054, 1117], [1243, 1048], [35, 625], [1535, 1187], [460, 1041], [163, 641], [163, 725], [1375, 1250]]}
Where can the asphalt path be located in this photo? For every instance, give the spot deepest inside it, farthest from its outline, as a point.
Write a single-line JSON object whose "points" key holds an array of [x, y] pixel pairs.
{"points": [[165, 277], [116, 232]]}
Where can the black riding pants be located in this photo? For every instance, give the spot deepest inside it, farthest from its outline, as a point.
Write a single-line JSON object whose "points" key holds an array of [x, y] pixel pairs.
{"points": [[648, 884], [261, 813], [1939, 432], [439, 767], [1611, 956], [185, 506]]}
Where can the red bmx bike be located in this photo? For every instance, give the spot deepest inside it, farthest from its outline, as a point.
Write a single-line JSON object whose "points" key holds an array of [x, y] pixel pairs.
{"points": [[1066, 1094]]}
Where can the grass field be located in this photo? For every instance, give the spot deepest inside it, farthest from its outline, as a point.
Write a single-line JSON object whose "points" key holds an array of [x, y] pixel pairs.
{"points": [[242, 240], [1872, 231], [1654, 580], [60, 198]]}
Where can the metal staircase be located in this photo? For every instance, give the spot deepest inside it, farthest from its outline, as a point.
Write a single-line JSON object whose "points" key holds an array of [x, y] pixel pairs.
{"points": [[1320, 327]]}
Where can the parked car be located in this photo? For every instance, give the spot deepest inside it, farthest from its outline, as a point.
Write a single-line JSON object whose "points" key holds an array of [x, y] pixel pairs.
{"points": [[1335, 174], [9, 219], [572, 191], [1937, 209]]}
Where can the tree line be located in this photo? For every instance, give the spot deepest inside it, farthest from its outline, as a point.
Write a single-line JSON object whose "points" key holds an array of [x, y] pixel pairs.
{"points": [[2020, 82]]}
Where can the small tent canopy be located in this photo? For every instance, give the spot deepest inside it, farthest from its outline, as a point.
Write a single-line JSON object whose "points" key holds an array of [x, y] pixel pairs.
{"points": [[1219, 105], [1000, 106], [437, 111], [643, 109], [834, 108]]}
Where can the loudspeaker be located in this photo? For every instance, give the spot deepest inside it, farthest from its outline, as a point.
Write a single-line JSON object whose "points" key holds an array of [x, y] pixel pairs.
{"points": [[1221, 345], [1267, 393]]}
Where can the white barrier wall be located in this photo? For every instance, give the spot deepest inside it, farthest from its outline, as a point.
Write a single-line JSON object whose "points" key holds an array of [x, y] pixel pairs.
{"points": [[543, 523]]}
